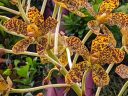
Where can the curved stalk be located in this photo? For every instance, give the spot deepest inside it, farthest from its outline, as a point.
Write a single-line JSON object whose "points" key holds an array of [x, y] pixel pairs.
{"points": [[83, 41], [4, 17], [123, 89], [23, 14], [37, 88], [43, 7], [10, 10], [57, 31]]}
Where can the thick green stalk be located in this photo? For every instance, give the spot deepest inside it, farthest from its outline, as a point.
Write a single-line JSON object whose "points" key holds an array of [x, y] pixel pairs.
{"points": [[123, 89], [43, 7], [57, 31], [23, 14], [83, 41], [10, 10], [37, 88], [77, 89]]}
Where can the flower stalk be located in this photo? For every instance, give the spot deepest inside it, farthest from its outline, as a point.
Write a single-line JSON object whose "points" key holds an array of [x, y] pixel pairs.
{"points": [[43, 7], [123, 89], [10, 10], [38, 88], [57, 31]]}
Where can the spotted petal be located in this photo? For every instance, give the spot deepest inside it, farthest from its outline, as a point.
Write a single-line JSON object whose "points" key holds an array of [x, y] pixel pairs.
{"points": [[107, 6], [76, 73], [3, 84], [76, 45], [120, 19], [22, 45], [105, 30], [50, 24], [100, 77], [122, 71], [16, 25], [73, 6], [100, 43], [93, 25]]}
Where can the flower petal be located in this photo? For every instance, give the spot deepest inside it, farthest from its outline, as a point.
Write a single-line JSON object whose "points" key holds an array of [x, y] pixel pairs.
{"points": [[50, 24], [76, 45], [16, 25], [22, 45], [122, 71], [3, 85], [107, 6], [76, 73], [93, 25], [73, 6], [105, 30], [100, 77]]}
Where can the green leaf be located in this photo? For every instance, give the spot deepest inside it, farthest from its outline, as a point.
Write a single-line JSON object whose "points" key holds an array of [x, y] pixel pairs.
{"points": [[16, 62], [23, 71], [7, 72]]}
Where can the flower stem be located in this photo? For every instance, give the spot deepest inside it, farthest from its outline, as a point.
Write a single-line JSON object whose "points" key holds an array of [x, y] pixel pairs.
{"points": [[28, 7], [4, 17], [10, 10], [38, 88], [23, 14], [83, 41], [123, 89], [43, 7], [23, 2], [69, 58], [57, 31], [55, 11]]}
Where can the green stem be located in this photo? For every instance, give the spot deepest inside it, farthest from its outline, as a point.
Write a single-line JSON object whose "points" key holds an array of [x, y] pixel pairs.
{"points": [[10, 10], [37, 88], [43, 7], [55, 11], [23, 14], [83, 41], [123, 89], [107, 71], [84, 83], [4, 17], [77, 89], [23, 3], [57, 32]]}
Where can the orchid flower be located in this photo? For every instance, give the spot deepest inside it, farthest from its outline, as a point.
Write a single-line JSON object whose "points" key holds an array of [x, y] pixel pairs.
{"points": [[102, 52], [106, 8], [35, 32]]}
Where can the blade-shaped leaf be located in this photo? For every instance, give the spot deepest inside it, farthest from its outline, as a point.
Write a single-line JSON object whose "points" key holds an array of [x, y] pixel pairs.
{"points": [[16, 25], [100, 77], [76, 73], [22, 45], [122, 71]]}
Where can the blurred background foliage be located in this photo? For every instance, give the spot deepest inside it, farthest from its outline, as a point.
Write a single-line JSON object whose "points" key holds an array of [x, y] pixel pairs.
{"points": [[23, 66]]}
